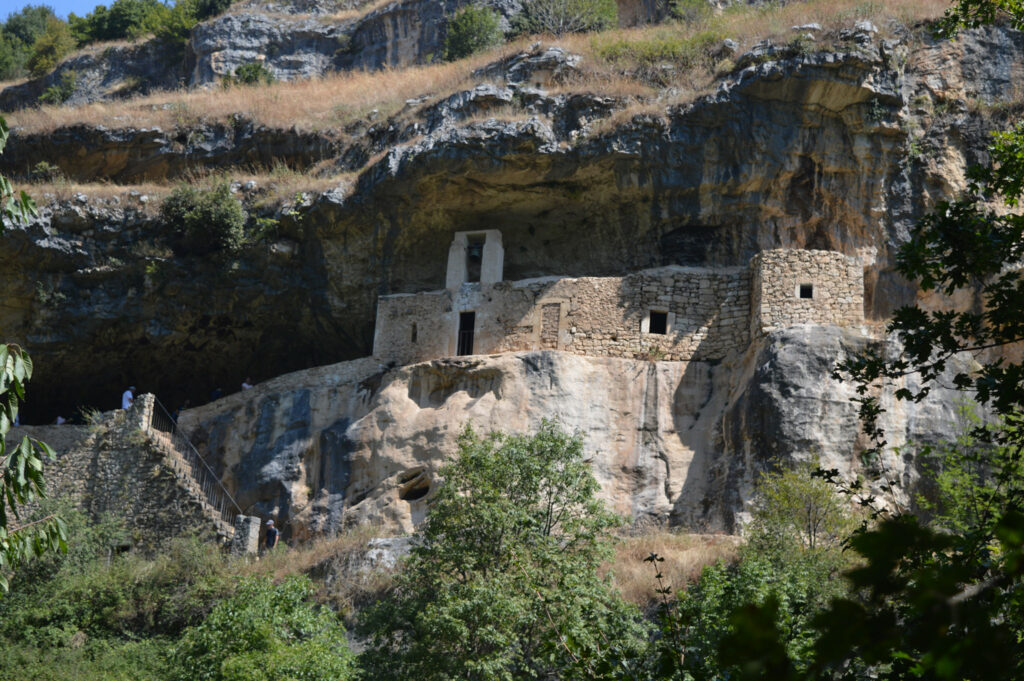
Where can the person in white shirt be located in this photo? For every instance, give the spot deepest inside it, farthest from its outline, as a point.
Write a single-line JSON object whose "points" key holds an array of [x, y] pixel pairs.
{"points": [[246, 384], [128, 397]]}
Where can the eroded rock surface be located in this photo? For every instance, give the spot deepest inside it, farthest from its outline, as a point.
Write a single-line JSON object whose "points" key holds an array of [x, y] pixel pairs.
{"points": [[670, 442], [834, 150]]}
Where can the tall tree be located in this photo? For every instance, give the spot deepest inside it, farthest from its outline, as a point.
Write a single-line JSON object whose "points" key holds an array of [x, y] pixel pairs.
{"points": [[505, 581], [21, 465], [940, 602]]}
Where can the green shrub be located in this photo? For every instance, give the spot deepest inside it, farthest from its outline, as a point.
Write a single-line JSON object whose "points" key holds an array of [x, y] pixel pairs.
{"points": [[204, 9], [253, 73], [61, 91], [264, 633], [87, 660], [205, 220], [666, 46], [792, 564], [567, 16], [44, 171], [471, 30], [53, 45], [691, 11]]}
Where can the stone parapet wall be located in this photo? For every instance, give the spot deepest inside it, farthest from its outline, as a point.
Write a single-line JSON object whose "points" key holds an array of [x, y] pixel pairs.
{"points": [[836, 281]]}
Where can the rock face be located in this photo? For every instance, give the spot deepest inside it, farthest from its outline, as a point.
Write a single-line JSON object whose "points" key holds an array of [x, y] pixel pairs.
{"points": [[678, 442], [108, 72], [838, 151]]}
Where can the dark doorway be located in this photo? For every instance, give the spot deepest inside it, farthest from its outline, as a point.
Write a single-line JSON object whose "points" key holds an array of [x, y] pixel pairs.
{"points": [[474, 258], [467, 321], [659, 322]]}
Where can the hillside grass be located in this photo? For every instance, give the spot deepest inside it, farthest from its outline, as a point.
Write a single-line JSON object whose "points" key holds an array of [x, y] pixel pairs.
{"points": [[626, 63]]}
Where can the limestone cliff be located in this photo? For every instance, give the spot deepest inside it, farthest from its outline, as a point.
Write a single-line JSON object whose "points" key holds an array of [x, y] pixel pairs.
{"points": [[832, 150], [677, 442], [841, 148]]}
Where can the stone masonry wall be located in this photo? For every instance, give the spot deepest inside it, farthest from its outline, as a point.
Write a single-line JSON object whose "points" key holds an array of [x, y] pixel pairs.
{"points": [[708, 316], [113, 467], [710, 313], [837, 284]]}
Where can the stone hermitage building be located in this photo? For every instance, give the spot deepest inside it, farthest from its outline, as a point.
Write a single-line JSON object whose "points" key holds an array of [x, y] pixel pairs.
{"points": [[669, 313]]}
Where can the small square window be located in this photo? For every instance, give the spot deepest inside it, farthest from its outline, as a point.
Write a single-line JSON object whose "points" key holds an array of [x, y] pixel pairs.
{"points": [[659, 323], [806, 290]]}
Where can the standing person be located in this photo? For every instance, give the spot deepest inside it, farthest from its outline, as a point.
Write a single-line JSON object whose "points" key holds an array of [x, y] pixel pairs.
{"points": [[246, 384], [272, 534], [128, 397]]}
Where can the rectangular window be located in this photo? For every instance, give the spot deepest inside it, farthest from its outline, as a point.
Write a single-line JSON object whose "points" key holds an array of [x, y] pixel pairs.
{"points": [[467, 322], [806, 290], [474, 258], [659, 322]]}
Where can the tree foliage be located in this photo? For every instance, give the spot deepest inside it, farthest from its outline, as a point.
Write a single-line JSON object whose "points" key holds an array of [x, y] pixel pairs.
{"points": [[265, 632], [21, 468], [567, 16], [21, 464], [205, 220], [504, 583], [785, 575], [49, 48], [17, 35], [472, 29]]}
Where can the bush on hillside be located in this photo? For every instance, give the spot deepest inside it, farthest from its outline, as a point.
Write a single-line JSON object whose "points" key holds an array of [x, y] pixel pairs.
{"points": [[53, 45], [567, 16], [253, 73], [205, 220], [265, 632], [17, 35], [792, 563], [61, 91], [471, 30]]}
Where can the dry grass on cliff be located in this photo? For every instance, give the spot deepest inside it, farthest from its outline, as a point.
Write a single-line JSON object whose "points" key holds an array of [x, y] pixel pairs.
{"points": [[686, 555], [274, 187], [315, 104]]}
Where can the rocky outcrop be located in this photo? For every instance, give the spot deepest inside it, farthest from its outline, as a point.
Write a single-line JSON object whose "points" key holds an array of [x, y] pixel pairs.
{"points": [[675, 442], [88, 153], [105, 72]]}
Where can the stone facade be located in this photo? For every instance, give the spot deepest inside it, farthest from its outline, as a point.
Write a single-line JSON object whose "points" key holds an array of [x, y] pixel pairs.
{"points": [[806, 287], [670, 313]]}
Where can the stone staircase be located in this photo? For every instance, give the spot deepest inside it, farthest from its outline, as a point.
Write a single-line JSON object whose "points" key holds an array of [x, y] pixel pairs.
{"points": [[194, 475]]}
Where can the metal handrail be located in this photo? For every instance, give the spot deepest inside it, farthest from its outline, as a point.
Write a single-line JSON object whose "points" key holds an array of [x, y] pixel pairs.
{"points": [[216, 495]]}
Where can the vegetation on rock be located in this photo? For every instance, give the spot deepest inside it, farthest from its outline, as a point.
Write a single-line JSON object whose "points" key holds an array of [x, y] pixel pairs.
{"points": [[559, 17], [204, 221], [470, 30]]}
